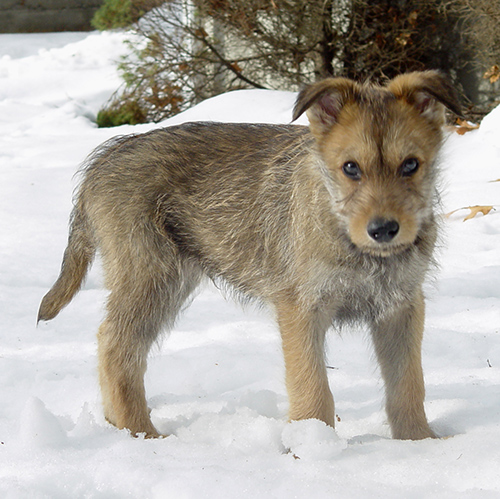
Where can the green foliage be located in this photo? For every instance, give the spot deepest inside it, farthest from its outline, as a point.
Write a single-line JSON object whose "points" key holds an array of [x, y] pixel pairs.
{"points": [[121, 112], [113, 14]]}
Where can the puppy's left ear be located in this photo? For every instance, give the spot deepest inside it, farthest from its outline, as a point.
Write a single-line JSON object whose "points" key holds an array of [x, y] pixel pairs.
{"points": [[323, 102], [428, 91]]}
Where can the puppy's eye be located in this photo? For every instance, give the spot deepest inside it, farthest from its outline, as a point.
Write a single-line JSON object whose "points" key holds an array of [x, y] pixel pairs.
{"points": [[352, 170], [409, 167]]}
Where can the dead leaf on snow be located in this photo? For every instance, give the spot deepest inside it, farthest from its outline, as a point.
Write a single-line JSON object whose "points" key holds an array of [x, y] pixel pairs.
{"points": [[474, 210], [464, 126]]}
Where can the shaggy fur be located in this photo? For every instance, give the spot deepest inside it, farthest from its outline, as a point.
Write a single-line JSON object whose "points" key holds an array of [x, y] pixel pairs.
{"points": [[328, 224]]}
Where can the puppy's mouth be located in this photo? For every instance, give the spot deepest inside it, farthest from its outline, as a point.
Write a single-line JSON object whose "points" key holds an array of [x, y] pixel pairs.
{"points": [[385, 250]]}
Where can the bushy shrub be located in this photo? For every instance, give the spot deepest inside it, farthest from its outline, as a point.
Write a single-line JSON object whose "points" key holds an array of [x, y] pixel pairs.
{"points": [[185, 52]]}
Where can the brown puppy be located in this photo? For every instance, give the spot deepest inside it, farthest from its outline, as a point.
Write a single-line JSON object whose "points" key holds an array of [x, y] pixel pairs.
{"points": [[329, 224]]}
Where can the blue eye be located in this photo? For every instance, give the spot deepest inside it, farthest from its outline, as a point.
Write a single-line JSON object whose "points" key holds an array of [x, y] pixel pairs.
{"points": [[409, 167], [352, 170]]}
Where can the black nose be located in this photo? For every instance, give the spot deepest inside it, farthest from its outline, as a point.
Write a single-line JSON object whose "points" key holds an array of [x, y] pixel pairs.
{"points": [[382, 230]]}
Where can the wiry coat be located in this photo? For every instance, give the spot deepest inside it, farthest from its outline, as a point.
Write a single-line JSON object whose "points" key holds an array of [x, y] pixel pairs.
{"points": [[270, 211]]}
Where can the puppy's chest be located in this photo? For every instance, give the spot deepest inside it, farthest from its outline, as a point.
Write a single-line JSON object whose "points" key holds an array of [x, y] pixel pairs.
{"points": [[366, 293]]}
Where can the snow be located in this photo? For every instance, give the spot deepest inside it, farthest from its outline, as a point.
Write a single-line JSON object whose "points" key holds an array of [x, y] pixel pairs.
{"points": [[216, 385]]}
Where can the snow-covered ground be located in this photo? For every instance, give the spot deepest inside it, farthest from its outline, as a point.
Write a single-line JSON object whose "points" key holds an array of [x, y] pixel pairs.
{"points": [[217, 384]]}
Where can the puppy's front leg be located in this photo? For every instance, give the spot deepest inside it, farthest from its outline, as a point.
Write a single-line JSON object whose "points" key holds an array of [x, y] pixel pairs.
{"points": [[303, 335], [398, 344]]}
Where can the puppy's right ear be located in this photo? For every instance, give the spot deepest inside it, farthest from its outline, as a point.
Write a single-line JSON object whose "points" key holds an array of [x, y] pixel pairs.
{"points": [[323, 102]]}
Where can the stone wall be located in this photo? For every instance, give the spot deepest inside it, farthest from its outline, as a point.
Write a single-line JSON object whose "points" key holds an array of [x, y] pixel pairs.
{"points": [[38, 16]]}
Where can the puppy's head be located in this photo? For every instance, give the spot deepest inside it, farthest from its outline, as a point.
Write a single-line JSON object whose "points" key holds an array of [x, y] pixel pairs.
{"points": [[377, 147]]}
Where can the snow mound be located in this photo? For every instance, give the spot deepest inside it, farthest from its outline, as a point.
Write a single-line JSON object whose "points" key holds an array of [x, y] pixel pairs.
{"points": [[313, 440]]}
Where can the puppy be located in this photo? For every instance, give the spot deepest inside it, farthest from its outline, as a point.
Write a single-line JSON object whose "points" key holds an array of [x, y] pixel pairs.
{"points": [[329, 224]]}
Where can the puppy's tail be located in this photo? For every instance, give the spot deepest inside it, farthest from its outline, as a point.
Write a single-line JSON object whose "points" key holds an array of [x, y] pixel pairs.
{"points": [[77, 259]]}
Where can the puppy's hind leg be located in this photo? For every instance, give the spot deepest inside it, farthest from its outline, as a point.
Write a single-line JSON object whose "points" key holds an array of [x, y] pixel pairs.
{"points": [[398, 343], [138, 307], [122, 351]]}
